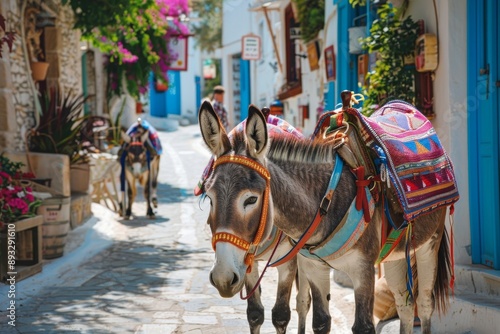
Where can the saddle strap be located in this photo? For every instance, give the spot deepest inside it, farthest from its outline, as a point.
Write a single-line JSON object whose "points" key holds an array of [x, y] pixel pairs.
{"points": [[354, 151], [322, 211]]}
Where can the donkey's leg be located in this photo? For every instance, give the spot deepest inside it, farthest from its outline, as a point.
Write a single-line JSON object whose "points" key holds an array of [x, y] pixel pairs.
{"points": [[255, 309], [427, 262], [147, 196], [155, 169], [362, 274], [131, 192], [303, 295], [281, 311], [395, 274], [318, 275]]}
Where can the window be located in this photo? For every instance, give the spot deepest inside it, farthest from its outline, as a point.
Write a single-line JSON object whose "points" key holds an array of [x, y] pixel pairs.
{"points": [[293, 84]]}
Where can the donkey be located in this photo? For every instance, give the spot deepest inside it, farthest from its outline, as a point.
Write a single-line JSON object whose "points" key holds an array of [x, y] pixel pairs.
{"points": [[273, 247], [140, 161], [256, 181]]}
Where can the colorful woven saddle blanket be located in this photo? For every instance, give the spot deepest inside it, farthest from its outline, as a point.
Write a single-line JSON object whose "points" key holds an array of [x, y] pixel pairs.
{"points": [[140, 127], [412, 156], [275, 126]]}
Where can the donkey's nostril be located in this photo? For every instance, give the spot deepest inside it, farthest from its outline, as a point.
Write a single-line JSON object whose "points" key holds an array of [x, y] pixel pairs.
{"points": [[235, 280], [211, 279]]}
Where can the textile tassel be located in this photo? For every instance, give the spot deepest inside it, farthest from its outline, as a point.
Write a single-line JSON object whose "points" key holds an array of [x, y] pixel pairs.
{"points": [[409, 271], [452, 252]]}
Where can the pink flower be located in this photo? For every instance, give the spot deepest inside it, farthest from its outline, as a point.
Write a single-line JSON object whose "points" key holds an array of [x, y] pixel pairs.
{"points": [[18, 204]]}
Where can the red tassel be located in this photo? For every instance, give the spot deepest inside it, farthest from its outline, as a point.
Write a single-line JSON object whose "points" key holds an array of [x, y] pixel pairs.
{"points": [[361, 200]]}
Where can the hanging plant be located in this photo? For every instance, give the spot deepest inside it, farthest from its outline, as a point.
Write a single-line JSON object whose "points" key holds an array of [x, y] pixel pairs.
{"points": [[392, 40], [134, 34], [311, 15]]}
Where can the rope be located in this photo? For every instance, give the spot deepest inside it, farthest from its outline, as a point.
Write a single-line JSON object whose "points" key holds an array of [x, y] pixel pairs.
{"points": [[263, 271]]}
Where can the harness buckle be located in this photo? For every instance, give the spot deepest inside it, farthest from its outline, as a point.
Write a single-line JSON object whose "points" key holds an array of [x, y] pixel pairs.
{"points": [[252, 249], [325, 204]]}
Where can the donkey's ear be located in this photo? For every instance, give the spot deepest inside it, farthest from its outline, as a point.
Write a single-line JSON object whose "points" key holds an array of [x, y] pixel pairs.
{"points": [[126, 138], [212, 131], [256, 132], [144, 136]]}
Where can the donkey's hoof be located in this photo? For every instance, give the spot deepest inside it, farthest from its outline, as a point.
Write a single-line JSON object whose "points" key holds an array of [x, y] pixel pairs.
{"points": [[152, 216], [154, 200]]}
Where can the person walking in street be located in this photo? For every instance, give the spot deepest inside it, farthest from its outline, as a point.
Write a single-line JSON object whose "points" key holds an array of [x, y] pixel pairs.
{"points": [[218, 103]]}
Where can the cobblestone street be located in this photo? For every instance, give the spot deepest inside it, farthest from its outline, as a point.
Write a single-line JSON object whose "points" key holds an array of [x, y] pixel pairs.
{"points": [[148, 276]]}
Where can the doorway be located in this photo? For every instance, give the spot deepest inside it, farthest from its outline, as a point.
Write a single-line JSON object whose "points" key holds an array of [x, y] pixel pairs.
{"points": [[483, 128]]}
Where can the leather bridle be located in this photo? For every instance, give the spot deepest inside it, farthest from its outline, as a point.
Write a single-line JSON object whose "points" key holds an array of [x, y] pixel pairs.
{"points": [[250, 248]]}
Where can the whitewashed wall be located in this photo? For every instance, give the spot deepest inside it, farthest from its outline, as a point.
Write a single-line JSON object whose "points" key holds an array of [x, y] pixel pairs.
{"points": [[450, 100], [188, 83]]}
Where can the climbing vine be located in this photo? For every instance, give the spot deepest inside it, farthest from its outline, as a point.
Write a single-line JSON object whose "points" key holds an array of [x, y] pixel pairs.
{"points": [[392, 39]]}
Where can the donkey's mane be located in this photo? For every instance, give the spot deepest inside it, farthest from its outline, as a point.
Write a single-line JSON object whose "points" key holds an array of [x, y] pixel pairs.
{"points": [[288, 148]]}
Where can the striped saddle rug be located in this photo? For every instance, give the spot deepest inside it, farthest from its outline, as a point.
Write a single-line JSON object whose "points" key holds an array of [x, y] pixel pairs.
{"points": [[412, 157], [140, 127]]}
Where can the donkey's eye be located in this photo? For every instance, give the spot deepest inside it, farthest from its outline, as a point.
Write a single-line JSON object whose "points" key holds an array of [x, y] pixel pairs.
{"points": [[250, 200]]}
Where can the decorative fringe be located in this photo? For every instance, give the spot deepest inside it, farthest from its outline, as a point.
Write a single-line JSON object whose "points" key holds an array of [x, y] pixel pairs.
{"points": [[409, 271], [452, 251]]}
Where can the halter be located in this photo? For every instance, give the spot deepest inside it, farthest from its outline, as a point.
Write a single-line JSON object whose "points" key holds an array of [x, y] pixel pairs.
{"points": [[250, 248]]}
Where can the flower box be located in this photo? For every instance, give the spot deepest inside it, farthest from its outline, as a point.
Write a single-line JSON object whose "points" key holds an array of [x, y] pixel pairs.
{"points": [[46, 166], [24, 237]]}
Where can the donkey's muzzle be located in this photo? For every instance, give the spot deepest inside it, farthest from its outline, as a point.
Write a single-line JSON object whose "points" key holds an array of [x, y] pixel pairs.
{"points": [[227, 283]]}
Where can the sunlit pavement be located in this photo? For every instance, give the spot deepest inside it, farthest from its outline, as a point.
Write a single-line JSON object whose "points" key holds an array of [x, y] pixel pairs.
{"points": [[148, 276]]}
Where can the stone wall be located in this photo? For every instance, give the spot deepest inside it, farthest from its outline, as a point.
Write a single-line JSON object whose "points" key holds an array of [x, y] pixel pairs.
{"points": [[17, 89]]}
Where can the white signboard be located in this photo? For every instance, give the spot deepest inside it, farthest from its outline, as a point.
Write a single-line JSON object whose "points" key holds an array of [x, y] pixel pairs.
{"points": [[178, 54], [250, 47]]}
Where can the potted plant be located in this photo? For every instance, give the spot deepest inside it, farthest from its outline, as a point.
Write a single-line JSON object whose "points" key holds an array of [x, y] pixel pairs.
{"points": [[19, 220], [17, 201], [59, 133]]}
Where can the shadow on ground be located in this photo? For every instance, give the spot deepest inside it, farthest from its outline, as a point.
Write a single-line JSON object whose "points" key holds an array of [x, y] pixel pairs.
{"points": [[129, 284]]}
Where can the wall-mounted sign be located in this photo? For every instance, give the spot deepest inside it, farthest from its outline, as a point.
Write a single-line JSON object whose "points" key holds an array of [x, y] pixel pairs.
{"points": [[209, 69], [294, 33], [178, 54], [330, 64], [250, 47], [313, 55]]}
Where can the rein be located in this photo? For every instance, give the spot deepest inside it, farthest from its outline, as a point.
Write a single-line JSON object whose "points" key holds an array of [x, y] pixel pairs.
{"points": [[250, 248]]}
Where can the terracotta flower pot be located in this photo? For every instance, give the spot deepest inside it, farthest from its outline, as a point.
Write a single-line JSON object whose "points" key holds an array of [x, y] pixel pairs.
{"points": [[39, 70], [161, 87]]}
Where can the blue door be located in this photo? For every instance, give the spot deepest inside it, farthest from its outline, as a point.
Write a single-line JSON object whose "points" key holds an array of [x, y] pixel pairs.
{"points": [[173, 97], [162, 103], [483, 115], [197, 84], [347, 64], [244, 88]]}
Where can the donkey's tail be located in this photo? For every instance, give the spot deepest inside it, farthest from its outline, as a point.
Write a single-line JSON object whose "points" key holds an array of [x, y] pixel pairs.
{"points": [[442, 284]]}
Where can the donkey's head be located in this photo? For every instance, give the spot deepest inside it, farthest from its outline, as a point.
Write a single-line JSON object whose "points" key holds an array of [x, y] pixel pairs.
{"points": [[136, 159], [239, 191]]}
